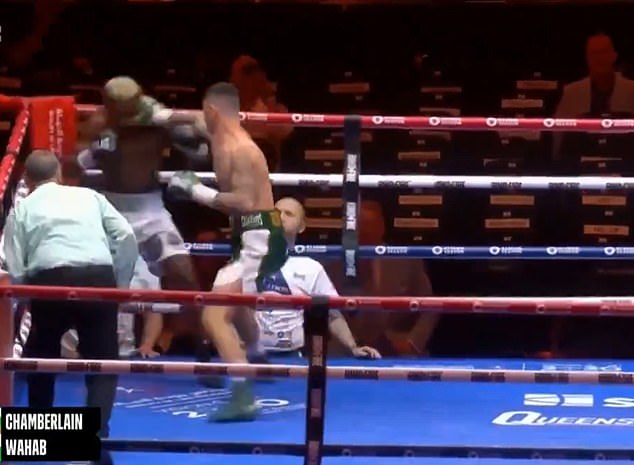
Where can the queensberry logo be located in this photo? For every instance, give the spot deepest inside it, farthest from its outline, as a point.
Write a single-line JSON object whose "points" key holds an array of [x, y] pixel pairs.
{"points": [[590, 410]]}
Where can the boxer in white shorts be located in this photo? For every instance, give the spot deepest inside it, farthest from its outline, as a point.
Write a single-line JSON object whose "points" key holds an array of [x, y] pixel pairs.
{"points": [[132, 138]]}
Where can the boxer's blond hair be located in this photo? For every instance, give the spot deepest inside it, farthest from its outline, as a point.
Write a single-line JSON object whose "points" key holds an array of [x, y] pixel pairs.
{"points": [[122, 89]]}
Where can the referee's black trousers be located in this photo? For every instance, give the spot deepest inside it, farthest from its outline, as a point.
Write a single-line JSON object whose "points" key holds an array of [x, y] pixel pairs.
{"points": [[96, 325]]}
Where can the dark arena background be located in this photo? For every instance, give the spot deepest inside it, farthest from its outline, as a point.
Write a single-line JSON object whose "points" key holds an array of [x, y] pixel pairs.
{"points": [[448, 59], [472, 53]]}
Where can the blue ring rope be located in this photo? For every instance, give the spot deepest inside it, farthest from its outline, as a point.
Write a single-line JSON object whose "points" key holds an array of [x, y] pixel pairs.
{"points": [[442, 252], [334, 450]]}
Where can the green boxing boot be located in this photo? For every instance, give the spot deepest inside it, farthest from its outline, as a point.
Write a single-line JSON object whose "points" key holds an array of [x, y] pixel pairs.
{"points": [[241, 406]]}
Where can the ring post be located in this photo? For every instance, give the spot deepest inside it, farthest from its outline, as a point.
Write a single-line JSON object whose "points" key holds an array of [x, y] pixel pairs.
{"points": [[351, 198], [6, 344], [316, 341]]}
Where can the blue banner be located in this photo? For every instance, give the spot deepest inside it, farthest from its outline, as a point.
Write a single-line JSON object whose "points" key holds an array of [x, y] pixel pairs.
{"points": [[443, 252]]}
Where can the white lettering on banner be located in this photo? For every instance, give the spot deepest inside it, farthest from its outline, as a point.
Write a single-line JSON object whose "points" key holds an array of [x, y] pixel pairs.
{"points": [[617, 123], [449, 184], [580, 367], [439, 250], [310, 249], [394, 120], [576, 400], [560, 123], [308, 118], [201, 246], [56, 130], [351, 168], [506, 250], [609, 251], [351, 267], [393, 184], [553, 400], [390, 250], [562, 251], [502, 122], [444, 121], [506, 185], [529, 418], [351, 216]]}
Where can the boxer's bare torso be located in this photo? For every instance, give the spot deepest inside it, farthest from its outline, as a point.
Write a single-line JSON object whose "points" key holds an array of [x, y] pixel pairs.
{"points": [[134, 167], [241, 168]]}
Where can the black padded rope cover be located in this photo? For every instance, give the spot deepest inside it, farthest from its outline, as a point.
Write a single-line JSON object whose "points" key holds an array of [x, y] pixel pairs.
{"points": [[351, 198], [316, 342]]}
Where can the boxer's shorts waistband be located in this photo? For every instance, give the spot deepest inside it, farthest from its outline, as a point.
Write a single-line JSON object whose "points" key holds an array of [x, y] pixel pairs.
{"points": [[269, 220], [134, 202]]}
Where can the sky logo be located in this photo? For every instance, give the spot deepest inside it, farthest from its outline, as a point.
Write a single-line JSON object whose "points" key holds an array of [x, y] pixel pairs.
{"points": [[555, 400]]}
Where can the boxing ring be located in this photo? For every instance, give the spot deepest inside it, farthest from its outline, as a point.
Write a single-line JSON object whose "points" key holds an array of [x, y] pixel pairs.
{"points": [[332, 411]]}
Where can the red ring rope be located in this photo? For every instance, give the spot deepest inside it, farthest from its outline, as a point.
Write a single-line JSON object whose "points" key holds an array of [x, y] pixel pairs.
{"points": [[582, 306], [476, 123], [13, 148]]}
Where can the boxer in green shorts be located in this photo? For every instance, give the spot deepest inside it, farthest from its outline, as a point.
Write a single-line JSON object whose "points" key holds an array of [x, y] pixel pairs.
{"points": [[245, 194]]}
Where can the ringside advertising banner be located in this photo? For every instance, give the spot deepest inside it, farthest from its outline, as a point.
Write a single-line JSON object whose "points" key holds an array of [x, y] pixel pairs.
{"points": [[54, 124], [569, 409]]}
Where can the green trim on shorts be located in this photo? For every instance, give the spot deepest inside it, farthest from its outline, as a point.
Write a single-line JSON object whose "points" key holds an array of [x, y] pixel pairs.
{"points": [[277, 252]]}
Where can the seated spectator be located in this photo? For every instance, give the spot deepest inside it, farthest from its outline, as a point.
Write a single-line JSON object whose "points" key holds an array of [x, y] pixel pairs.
{"points": [[258, 94], [283, 330], [603, 91], [405, 334]]}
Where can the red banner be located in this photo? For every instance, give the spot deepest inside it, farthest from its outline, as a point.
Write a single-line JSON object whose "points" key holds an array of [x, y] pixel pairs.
{"points": [[54, 125]]}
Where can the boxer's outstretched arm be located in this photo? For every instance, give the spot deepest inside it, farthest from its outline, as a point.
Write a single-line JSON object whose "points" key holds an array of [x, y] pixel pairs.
{"points": [[241, 198], [230, 201]]}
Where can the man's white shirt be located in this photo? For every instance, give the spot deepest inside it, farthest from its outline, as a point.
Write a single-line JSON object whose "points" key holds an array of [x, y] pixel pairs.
{"points": [[283, 330]]}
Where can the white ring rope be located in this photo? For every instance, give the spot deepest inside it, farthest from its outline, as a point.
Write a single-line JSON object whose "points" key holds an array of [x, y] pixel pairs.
{"points": [[121, 367], [436, 182]]}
